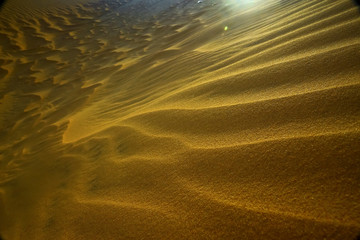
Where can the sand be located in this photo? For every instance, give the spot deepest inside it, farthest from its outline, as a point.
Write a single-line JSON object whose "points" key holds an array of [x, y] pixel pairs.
{"points": [[177, 120]]}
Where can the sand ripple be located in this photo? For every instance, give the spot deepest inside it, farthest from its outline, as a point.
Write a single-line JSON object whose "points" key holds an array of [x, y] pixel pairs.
{"points": [[147, 120]]}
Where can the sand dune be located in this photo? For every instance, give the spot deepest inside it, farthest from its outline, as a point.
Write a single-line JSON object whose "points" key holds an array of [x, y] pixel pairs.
{"points": [[153, 119]]}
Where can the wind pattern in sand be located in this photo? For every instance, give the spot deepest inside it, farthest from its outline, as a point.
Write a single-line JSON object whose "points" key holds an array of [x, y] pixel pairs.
{"points": [[212, 120]]}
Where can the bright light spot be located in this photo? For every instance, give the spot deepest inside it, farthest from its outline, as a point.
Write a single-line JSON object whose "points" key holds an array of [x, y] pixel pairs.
{"points": [[245, 3], [225, 28]]}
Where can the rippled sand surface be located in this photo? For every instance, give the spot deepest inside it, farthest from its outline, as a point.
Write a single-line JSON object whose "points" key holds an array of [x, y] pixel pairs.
{"points": [[180, 120]]}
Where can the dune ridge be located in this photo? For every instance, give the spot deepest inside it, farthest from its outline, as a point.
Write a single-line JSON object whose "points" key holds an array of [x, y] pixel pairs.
{"points": [[147, 119]]}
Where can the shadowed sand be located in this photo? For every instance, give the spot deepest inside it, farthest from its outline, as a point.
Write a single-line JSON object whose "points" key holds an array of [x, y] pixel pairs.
{"points": [[149, 120]]}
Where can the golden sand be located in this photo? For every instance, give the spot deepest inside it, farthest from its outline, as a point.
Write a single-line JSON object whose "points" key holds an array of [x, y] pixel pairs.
{"points": [[180, 120]]}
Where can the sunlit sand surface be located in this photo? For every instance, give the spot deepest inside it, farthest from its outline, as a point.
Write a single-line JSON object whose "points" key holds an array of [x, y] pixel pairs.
{"points": [[180, 120]]}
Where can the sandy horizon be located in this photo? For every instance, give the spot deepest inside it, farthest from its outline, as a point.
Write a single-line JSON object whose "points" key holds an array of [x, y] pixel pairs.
{"points": [[154, 119]]}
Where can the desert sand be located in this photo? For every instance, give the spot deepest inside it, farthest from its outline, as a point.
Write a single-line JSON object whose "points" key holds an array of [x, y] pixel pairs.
{"points": [[155, 119]]}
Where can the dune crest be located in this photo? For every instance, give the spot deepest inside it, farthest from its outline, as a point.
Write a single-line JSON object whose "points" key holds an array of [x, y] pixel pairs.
{"points": [[153, 119]]}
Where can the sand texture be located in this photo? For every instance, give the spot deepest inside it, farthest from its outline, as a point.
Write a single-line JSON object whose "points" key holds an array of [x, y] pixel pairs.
{"points": [[155, 119]]}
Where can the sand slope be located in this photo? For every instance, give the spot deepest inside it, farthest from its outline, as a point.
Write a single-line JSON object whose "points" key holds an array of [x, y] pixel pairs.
{"points": [[147, 120]]}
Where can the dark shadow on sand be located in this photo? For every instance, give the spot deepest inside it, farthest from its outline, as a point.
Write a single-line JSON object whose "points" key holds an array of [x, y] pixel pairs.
{"points": [[357, 3], [1, 5]]}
